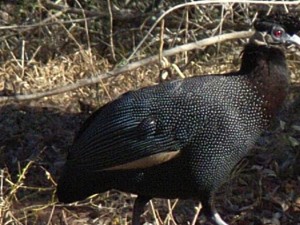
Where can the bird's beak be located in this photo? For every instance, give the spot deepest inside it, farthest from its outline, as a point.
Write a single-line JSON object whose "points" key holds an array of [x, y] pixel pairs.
{"points": [[295, 39]]}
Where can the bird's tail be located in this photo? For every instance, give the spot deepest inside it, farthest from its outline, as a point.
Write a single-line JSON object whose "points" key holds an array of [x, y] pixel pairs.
{"points": [[76, 185]]}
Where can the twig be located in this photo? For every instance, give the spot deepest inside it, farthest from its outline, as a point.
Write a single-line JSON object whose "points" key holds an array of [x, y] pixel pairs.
{"points": [[129, 67], [117, 14], [111, 39], [45, 22], [161, 45], [170, 213], [218, 2], [155, 213], [51, 215], [198, 210]]}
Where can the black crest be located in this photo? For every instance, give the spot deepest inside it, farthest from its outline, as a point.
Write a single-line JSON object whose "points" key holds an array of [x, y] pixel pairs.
{"points": [[290, 22]]}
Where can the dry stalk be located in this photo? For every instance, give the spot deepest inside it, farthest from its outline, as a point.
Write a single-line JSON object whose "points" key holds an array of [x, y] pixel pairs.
{"points": [[129, 67], [170, 214], [198, 210], [111, 39], [20, 182]]}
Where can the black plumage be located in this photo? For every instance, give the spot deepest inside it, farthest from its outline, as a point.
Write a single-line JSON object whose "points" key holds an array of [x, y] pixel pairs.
{"points": [[181, 139]]}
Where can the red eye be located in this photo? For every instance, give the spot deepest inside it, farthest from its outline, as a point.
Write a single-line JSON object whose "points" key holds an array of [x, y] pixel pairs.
{"points": [[277, 33]]}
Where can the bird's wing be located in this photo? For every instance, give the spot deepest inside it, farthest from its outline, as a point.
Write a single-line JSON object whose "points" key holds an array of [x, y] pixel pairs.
{"points": [[118, 137]]}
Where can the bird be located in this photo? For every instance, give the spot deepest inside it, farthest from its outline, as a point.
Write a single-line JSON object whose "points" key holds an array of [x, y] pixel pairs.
{"points": [[182, 138]]}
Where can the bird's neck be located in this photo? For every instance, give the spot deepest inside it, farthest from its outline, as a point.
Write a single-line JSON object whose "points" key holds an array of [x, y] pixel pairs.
{"points": [[267, 71]]}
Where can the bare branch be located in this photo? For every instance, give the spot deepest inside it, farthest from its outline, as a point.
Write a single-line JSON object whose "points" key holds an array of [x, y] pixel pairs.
{"points": [[129, 67], [203, 2]]}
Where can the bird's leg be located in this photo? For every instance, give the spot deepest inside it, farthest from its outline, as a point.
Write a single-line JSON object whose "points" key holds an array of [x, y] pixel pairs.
{"points": [[210, 211], [217, 218], [138, 208]]}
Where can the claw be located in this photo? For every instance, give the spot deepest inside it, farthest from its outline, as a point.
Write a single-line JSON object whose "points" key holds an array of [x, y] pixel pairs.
{"points": [[217, 218]]}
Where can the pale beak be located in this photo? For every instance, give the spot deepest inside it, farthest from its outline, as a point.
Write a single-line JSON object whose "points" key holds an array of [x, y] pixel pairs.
{"points": [[295, 39]]}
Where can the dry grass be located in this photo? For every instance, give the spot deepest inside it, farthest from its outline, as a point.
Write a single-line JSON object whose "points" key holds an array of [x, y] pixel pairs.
{"points": [[54, 48]]}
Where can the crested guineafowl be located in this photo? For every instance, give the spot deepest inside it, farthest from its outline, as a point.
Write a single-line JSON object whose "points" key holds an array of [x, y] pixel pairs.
{"points": [[181, 139]]}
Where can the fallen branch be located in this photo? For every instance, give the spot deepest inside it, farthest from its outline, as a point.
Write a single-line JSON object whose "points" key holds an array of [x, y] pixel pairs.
{"points": [[129, 67]]}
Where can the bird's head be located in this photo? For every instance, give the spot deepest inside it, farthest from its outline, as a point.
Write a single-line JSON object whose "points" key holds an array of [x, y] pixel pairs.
{"points": [[277, 29]]}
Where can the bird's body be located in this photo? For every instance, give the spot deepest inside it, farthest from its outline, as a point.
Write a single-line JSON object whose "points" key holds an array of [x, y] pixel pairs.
{"points": [[175, 127], [179, 139]]}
